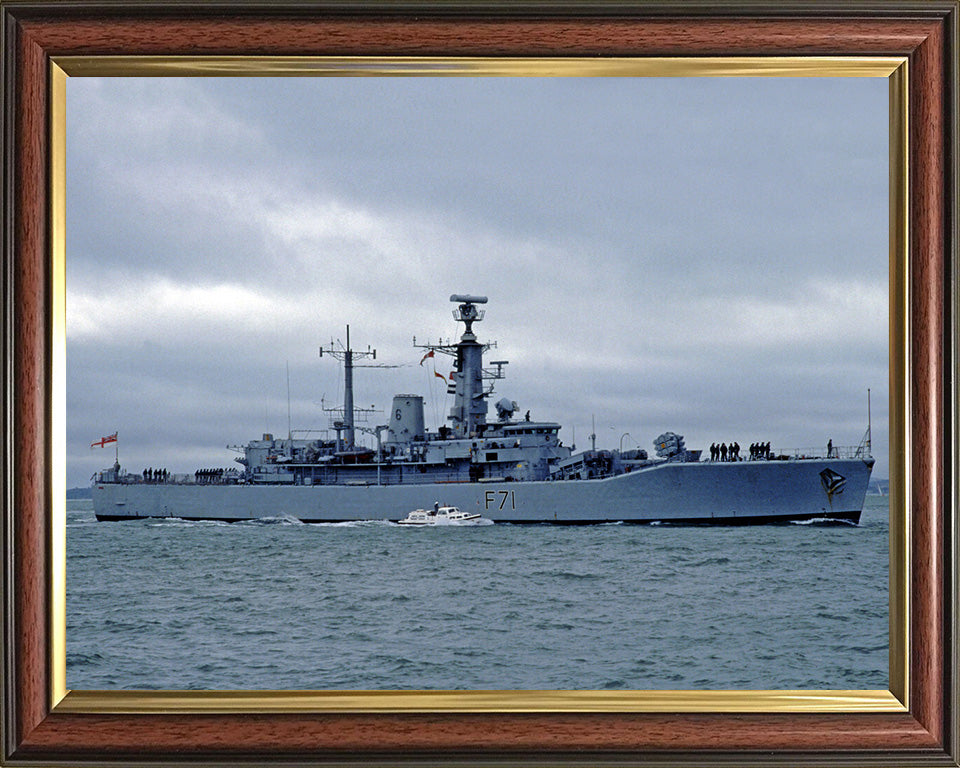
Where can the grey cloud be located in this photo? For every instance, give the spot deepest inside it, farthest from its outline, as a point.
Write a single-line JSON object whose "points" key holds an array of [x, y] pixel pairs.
{"points": [[602, 217]]}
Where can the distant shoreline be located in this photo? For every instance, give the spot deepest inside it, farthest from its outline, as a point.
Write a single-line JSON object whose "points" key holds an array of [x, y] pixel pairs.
{"points": [[878, 487]]}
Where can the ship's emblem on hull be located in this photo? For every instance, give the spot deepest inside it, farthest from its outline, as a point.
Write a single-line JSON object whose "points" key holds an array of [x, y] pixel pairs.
{"points": [[833, 482]]}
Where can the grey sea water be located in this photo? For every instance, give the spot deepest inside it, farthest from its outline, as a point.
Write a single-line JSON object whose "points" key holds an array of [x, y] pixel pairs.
{"points": [[278, 604]]}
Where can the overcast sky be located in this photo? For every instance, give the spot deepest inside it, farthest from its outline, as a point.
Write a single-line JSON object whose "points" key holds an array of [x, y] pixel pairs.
{"points": [[707, 256]]}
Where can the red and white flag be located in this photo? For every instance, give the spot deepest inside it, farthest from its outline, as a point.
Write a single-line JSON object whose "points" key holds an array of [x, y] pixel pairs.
{"points": [[429, 354], [440, 376], [104, 441]]}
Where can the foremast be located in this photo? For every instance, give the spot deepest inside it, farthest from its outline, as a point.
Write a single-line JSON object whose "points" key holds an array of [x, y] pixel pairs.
{"points": [[468, 416], [346, 356]]}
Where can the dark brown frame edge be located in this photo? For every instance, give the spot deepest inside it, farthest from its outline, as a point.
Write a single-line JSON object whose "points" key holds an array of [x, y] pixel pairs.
{"points": [[32, 32]]}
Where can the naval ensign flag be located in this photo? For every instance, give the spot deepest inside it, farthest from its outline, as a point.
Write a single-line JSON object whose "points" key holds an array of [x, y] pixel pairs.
{"points": [[104, 441]]}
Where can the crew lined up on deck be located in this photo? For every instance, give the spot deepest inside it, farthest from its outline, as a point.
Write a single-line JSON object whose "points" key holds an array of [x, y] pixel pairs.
{"points": [[724, 452], [760, 451], [152, 475], [208, 475]]}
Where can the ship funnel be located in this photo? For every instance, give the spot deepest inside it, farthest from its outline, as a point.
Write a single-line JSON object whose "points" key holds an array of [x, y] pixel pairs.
{"points": [[406, 420], [464, 298]]}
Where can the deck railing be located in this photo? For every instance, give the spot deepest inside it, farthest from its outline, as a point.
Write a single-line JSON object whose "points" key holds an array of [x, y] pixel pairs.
{"points": [[820, 452], [839, 452]]}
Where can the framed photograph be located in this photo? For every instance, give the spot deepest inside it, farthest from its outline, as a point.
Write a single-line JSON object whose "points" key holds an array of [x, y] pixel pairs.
{"points": [[145, 210]]}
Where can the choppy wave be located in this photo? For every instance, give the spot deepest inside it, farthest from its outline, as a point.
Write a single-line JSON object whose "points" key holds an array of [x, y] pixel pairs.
{"points": [[560, 574], [711, 561], [278, 604], [79, 660]]}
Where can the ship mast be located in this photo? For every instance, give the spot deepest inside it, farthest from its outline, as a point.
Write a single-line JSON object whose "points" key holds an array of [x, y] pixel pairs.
{"points": [[470, 407], [469, 412], [346, 356]]}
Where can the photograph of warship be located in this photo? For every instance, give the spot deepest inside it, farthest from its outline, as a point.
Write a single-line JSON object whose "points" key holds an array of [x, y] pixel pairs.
{"points": [[508, 469]]}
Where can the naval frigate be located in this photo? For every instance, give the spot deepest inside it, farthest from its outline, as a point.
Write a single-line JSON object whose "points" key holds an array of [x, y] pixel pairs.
{"points": [[510, 470]]}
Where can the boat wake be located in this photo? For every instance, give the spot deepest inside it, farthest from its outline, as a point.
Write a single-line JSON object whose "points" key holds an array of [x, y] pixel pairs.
{"points": [[272, 520], [824, 521], [352, 524], [179, 522]]}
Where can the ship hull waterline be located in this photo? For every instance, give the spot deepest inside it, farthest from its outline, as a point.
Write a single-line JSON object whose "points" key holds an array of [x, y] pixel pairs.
{"points": [[721, 493]]}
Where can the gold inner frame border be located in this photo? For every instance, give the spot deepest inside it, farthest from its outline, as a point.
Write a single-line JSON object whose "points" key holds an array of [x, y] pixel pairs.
{"points": [[895, 699]]}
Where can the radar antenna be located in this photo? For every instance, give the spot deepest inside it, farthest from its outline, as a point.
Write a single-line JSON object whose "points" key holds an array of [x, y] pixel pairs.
{"points": [[467, 313]]}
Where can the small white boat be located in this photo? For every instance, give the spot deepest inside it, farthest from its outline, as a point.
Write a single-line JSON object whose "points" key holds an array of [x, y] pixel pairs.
{"points": [[440, 516]]}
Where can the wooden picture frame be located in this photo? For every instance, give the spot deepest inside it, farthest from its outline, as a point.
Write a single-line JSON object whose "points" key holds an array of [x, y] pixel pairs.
{"points": [[40, 727]]}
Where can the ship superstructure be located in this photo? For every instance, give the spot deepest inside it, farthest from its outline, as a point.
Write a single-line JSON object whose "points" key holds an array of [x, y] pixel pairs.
{"points": [[468, 450], [507, 469]]}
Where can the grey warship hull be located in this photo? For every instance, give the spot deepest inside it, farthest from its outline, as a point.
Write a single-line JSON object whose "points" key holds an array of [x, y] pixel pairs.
{"points": [[728, 493], [511, 470]]}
